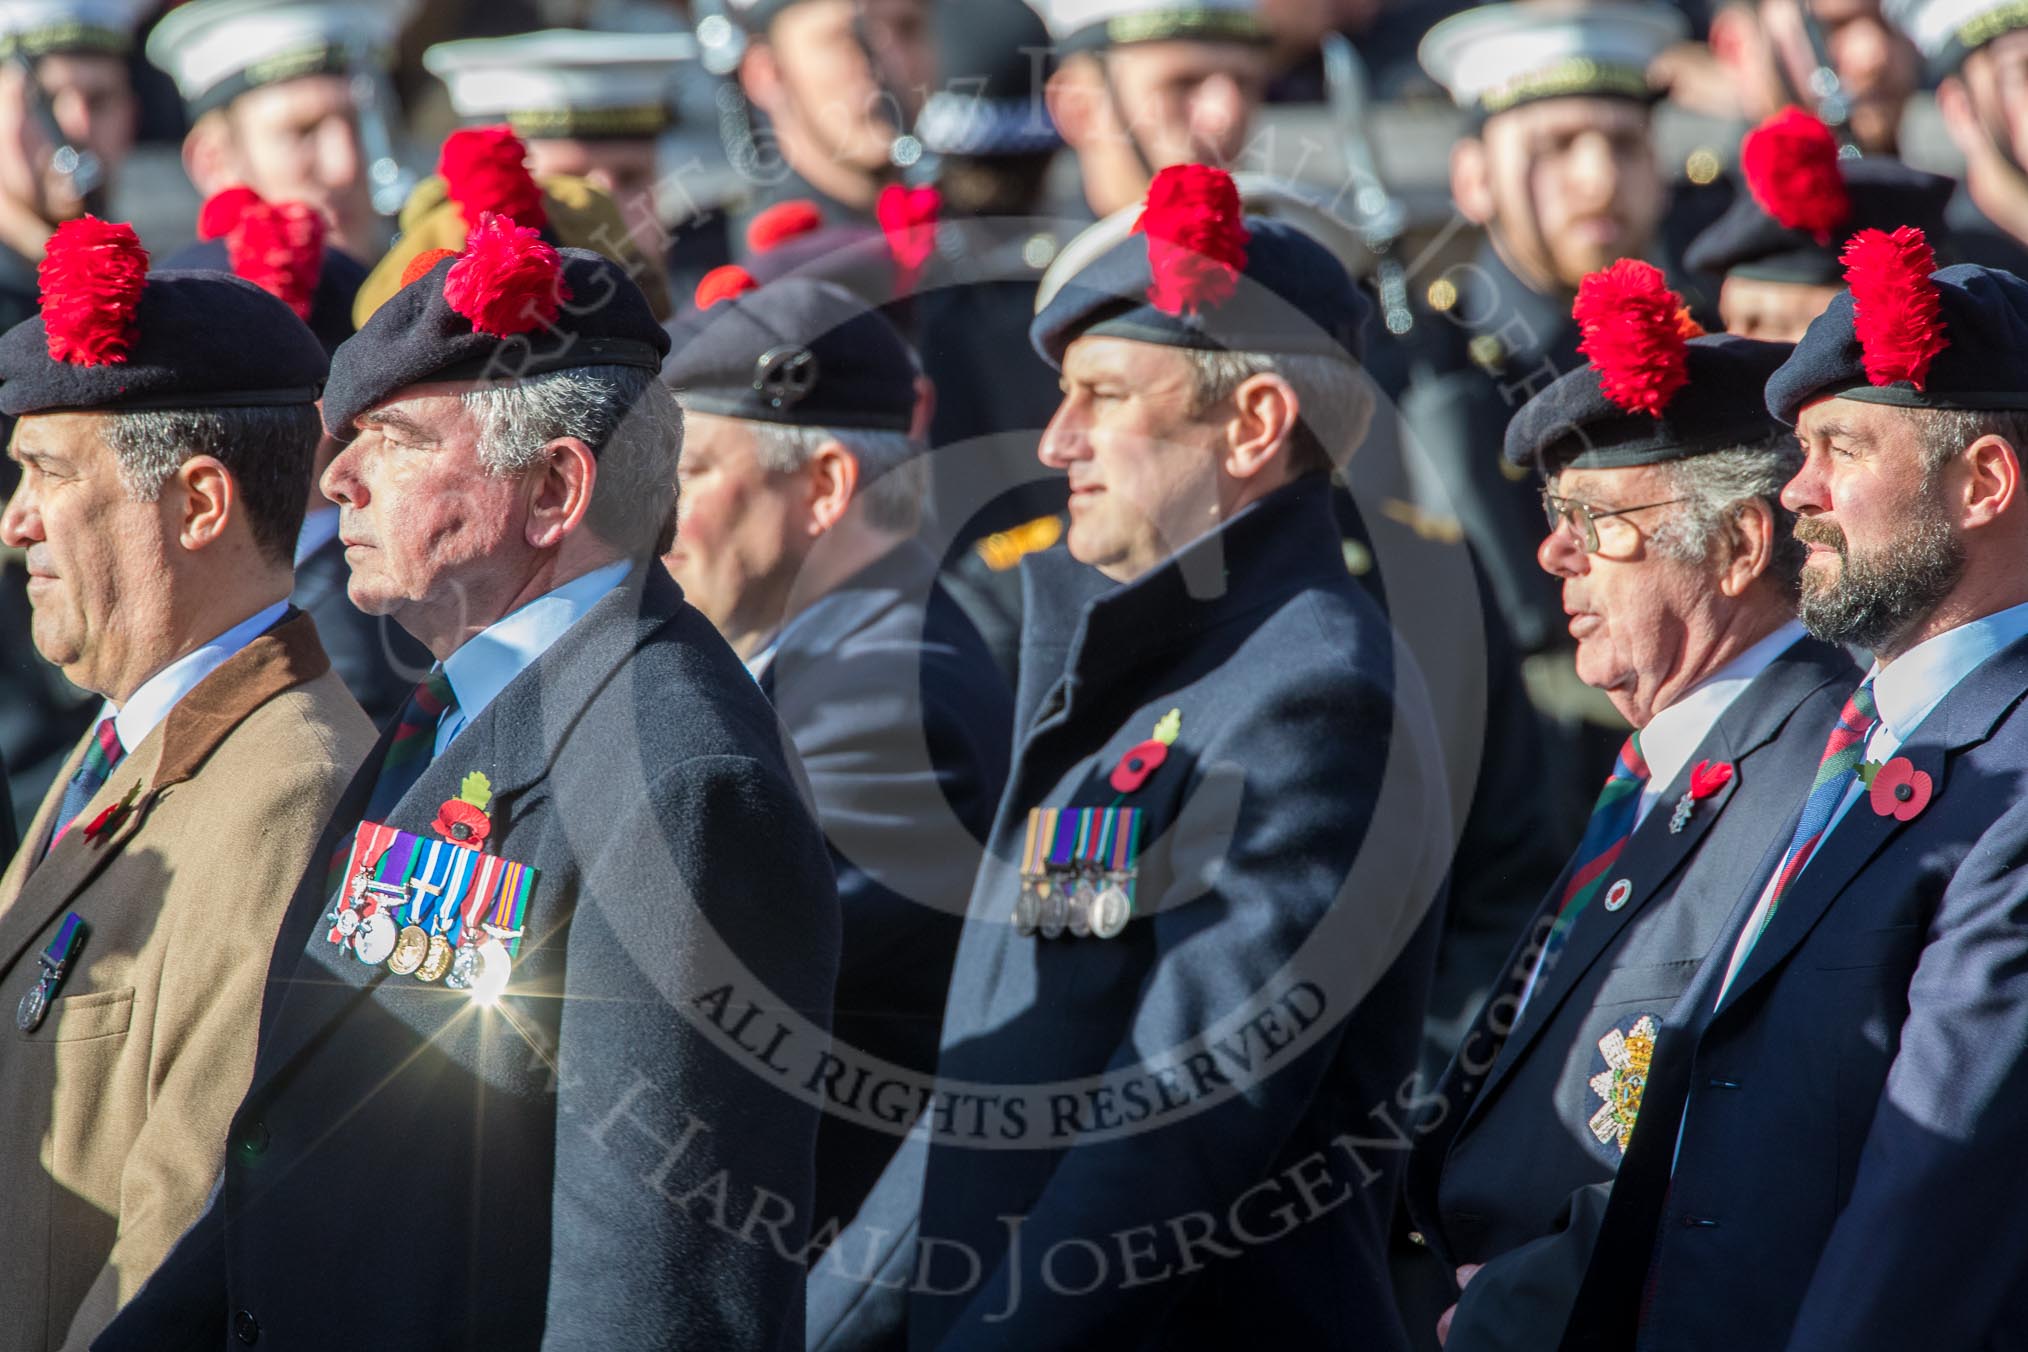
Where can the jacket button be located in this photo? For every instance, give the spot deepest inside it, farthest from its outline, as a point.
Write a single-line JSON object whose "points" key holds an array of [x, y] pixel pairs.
{"points": [[1717, 1083], [253, 1142], [1699, 1223], [1417, 1238], [246, 1328]]}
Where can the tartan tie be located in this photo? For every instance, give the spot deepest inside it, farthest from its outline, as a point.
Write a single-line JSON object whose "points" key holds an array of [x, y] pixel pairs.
{"points": [[1605, 835], [100, 757], [413, 745], [1842, 754]]}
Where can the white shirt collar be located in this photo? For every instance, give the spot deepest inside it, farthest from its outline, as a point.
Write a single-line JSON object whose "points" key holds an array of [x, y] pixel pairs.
{"points": [[320, 528], [147, 707], [1673, 735], [1906, 689], [482, 667]]}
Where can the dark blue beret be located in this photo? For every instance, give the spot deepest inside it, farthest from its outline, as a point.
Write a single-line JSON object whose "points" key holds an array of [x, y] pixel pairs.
{"points": [[1984, 313], [416, 337], [1572, 425], [1747, 242], [200, 340], [1293, 297], [796, 351], [338, 281]]}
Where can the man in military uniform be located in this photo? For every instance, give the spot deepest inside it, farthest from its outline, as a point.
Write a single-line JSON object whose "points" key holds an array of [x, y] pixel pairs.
{"points": [[1224, 821], [163, 458], [269, 86], [1976, 51], [1768, 54], [1825, 1151], [1678, 565], [795, 535], [1777, 247], [576, 858]]}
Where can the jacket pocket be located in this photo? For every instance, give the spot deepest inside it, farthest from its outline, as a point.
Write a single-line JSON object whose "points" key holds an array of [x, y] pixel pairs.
{"points": [[94, 1014]]}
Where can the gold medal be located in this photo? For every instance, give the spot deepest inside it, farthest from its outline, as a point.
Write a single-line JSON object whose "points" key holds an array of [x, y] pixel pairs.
{"points": [[411, 946], [437, 961]]}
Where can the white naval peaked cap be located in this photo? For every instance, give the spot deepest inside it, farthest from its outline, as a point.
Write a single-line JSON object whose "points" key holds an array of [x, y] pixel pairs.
{"points": [[1494, 57], [565, 82], [1085, 25], [216, 50], [1947, 31], [39, 27]]}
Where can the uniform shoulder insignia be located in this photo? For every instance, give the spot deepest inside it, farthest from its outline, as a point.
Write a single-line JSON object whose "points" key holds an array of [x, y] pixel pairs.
{"points": [[1006, 548], [1432, 526]]}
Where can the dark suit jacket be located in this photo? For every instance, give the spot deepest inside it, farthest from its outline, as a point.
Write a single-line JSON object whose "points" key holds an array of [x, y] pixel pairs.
{"points": [[572, 1168], [1852, 1114], [1296, 843], [377, 659], [1512, 1163], [902, 722]]}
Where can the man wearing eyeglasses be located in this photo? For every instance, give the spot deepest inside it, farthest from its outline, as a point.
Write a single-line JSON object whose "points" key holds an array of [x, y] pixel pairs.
{"points": [[1679, 574]]}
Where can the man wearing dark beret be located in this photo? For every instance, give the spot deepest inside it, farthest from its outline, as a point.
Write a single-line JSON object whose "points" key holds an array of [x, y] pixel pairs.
{"points": [[802, 489], [1679, 573], [1777, 246], [533, 1009], [1196, 953], [1827, 1148], [164, 426]]}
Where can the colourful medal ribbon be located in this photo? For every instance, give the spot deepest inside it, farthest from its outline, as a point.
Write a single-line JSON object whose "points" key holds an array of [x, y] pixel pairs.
{"points": [[1064, 841], [57, 956], [1125, 850]]}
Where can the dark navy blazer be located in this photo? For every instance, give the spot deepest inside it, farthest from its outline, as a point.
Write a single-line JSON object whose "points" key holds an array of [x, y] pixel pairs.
{"points": [[1852, 1115], [409, 1172], [1513, 1161], [1298, 833]]}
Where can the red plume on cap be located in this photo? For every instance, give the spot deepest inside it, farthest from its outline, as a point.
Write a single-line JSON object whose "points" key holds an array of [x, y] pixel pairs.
{"points": [[423, 262], [908, 217], [1791, 167], [92, 273], [1196, 238], [278, 246], [1895, 304], [483, 171], [508, 280], [782, 222], [1636, 335], [723, 283]]}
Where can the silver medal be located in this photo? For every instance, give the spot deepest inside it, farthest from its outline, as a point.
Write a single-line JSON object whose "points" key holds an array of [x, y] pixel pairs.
{"points": [[1055, 913], [1082, 898], [346, 921], [28, 1014], [464, 968], [1027, 912], [373, 942], [1109, 913]]}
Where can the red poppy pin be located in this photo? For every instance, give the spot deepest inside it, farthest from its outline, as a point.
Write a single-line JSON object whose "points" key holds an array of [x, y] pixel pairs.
{"points": [[1899, 790], [1144, 758], [463, 820], [110, 818], [1706, 779]]}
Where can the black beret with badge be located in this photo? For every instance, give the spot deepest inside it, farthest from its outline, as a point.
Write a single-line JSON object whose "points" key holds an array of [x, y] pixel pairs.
{"points": [[1905, 334], [112, 336], [508, 305], [796, 350], [1196, 273], [1653, 388], [1802, 202]]}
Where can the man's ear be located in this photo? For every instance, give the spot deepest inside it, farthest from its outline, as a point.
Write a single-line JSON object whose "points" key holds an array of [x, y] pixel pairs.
{"points": [[210, 499], [760, 76], [1075, 97], [1752, 541], [831, 477], [1472, 179], [560, 491], [208, 154], [1265, 414], [1992, 480], [1735, 36]]}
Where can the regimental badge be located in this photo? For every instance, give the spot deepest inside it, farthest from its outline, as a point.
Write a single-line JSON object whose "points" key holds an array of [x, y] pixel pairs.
{"points": [[1627, 1053], [437, 910], [1079, 868]]}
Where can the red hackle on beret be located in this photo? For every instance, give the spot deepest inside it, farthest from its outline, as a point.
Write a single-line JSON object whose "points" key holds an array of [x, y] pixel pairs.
{"points": [[278, 246], [508, 280], [908, 218], [421, 264], [1790, 162], [1636, 334], [723, 283], [484, 170], [91, 275], [782, 222], [1197, 238], [222, 211], [1895, 305]]}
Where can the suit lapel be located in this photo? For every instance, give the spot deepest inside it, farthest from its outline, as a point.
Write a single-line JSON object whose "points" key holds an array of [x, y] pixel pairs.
{"points": [[40, 829]]}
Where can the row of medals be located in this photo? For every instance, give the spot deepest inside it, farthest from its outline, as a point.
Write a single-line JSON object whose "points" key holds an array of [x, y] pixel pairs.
{"points": [[411, 950], [1095, 903]]}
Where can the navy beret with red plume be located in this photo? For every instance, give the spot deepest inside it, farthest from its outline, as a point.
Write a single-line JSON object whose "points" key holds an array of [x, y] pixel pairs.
{"points": [[1196, 273], [112, 335], [1905, 334]]}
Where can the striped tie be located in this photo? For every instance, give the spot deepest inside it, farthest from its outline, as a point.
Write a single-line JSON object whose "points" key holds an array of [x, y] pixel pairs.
{"points": [[1842, 754], [413, 745], [100, 757], [1605, 835]]}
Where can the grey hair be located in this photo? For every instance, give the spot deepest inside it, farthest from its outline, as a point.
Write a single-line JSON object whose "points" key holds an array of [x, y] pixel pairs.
{"points": [[1713, 488], [268, 451], [626, 416], [1332, 393], [1942, 432], [893, 470]]}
